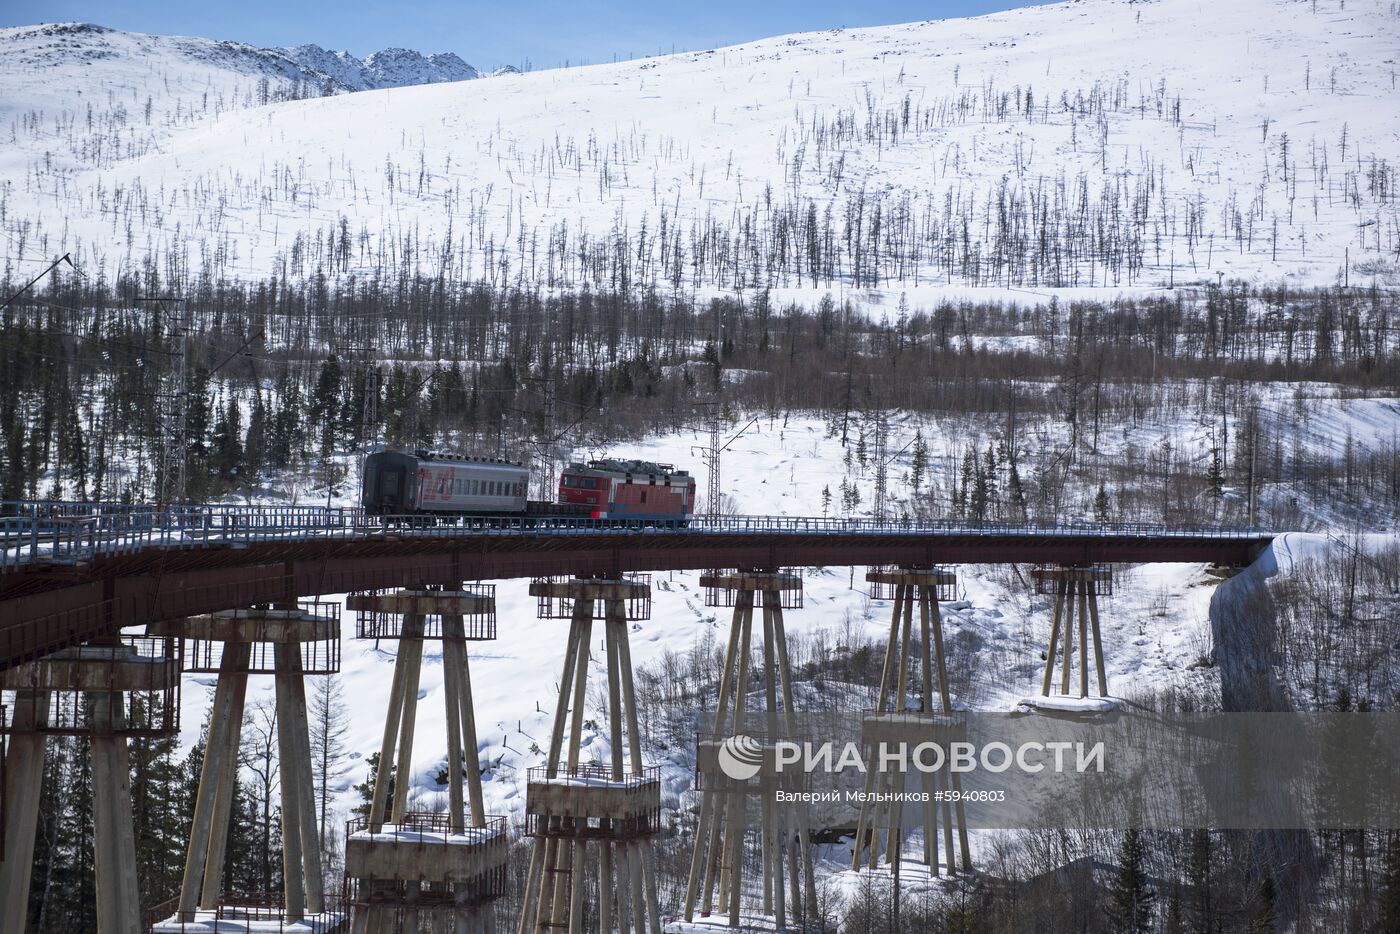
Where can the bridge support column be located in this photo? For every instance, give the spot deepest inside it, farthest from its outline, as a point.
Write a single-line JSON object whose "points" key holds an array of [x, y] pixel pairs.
{"points": [[784, 889], [83, 692], [24, 775], [912, 657], [218, 783], [402, 866], [1076, 591], [114, 838], [289, 644], [568, 803]]}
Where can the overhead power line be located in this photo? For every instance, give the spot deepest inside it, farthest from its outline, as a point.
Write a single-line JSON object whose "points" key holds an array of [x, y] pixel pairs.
{"points": [[65, 258]]}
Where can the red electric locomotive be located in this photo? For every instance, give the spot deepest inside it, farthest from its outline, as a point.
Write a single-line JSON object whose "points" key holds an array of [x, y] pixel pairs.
{"points": [[629, 489]]}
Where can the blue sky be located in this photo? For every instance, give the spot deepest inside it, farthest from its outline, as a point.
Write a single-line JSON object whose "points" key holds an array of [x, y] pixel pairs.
{"points": [[543, 32]]}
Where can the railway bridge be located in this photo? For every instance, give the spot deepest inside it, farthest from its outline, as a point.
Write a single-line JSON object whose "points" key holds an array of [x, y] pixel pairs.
{"points": [[70, 573], [233, 590]]}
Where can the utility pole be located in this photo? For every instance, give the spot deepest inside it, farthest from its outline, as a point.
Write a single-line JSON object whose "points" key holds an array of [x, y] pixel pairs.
{"points": [[1253, 429], [369, 411], [713, 453], [174, 405], [369, 418], [716, 429], [715, 491], [544, 447]]}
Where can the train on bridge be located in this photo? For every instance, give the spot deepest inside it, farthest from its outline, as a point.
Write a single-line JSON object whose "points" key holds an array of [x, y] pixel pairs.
{"points": [[427, 483]]}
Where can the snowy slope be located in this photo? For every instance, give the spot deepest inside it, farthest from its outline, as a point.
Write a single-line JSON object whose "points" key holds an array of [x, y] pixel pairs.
{"points": [[1255, 139], [78, 96], [1156, 632], [70, 51]]}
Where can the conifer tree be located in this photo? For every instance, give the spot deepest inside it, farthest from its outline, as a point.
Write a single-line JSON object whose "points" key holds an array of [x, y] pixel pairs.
{"points": [[710, 357], [1101, 505], [62, 896], [255, 442], [1174, 923], [13, 481], [1200, 917], [1215, 474], [226, 448], [918, 461], [1264, 912], [991, 474], [160, 813], [1016, 493], [1131, 908], [366, 787], [286, 443], [198, 415], [1388, 910]]}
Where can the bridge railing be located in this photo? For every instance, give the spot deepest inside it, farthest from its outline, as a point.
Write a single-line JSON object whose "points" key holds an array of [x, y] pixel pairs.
{"points": [[67, 532]]}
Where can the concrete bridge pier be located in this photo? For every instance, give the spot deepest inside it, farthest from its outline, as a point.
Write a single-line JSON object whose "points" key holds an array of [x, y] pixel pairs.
{"points": [[289, 644], [784, 889], [402, 866], [1076, 590], [902, 715], [568, 803], [83, 692], [24, 775]]}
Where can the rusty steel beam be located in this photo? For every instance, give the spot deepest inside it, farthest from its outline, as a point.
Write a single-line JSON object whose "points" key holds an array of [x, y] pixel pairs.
{"points": [[47, 608], [751, 580], [422, 603], [245, 625]]}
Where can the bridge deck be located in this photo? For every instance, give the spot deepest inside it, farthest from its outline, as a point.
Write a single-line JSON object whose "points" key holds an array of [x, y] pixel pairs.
{"points": [[71, 572]]}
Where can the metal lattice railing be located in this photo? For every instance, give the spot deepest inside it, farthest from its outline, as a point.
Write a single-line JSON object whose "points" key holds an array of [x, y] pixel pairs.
{"points": [[314, 656], [577, 798], [723, 586], [477, 619], [884, 581], [59, 532], [1052, 579], [489, 843], [92, 689], [553, 599], [260, 911]]}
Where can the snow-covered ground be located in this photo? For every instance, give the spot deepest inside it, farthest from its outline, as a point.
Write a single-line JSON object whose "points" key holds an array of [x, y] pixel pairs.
{"points": [[1156, 625], [118, 93], [1249, 137], [1217, 122], [1155, 628], [1155, 633], [208, 922]]}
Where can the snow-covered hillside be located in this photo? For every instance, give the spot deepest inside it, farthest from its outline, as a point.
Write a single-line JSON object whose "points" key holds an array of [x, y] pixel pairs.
{"points": [[1081, 144], [77, 96]]}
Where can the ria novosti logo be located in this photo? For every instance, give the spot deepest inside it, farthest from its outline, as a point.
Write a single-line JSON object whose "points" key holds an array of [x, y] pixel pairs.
{"points": [[740, 757]]}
